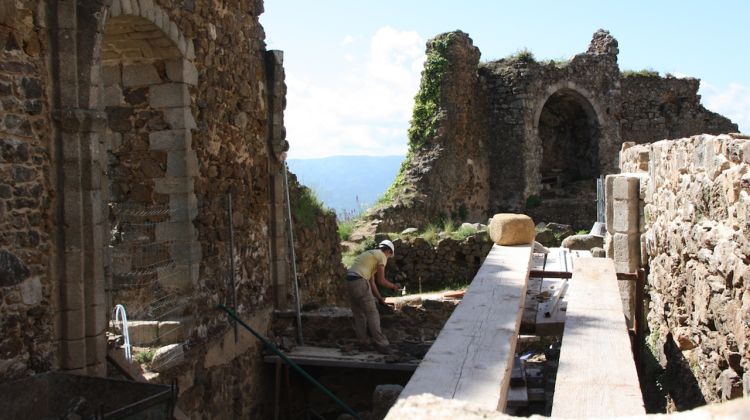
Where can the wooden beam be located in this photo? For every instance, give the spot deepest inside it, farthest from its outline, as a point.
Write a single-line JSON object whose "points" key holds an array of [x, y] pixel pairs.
{"points": [[471, 359], [331, 357], [596, 375]]}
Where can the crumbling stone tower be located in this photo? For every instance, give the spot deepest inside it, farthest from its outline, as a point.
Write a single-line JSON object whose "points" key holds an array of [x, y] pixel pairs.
{"points": [[489, 137]]}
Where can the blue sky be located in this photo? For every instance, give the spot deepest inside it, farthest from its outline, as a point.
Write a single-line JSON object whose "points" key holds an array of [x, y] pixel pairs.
{"points": [[353, 66]]}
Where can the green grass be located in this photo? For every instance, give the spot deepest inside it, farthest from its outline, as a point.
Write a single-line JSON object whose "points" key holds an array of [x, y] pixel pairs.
{"points": [[144, 356], [641, 73], [449, 226], [307, 206], [464, 232], [524, 54], [582, 232], [431, 234], [345, 228]]}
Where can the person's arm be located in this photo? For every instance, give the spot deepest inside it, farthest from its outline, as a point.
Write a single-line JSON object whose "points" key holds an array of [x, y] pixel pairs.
{"points": [[380, 276], [374, 289]]}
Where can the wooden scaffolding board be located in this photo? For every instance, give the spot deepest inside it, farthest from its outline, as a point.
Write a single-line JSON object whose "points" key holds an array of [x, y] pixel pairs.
{"points": [[332, 357], [471, 359], [597, 375]]}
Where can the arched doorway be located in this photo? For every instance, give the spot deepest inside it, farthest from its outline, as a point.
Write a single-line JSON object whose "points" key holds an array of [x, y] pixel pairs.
{"points": [[149, 164], [569, 134], [122, 141]]}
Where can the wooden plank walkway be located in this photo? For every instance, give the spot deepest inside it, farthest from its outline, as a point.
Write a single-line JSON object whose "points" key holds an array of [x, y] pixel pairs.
{"points": [[596, 375], [331, 357], [471, 359]]}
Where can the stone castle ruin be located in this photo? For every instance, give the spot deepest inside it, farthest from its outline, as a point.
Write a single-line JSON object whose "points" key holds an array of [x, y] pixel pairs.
{"points": [[526, 136], [142, 163]]}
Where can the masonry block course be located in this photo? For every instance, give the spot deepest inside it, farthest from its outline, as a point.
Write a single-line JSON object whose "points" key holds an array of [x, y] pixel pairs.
{"points": [[694, 242]]}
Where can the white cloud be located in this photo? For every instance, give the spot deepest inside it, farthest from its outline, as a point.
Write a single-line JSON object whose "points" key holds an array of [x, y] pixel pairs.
{"points": [[348, 40], [733, 102], [366, 111]]}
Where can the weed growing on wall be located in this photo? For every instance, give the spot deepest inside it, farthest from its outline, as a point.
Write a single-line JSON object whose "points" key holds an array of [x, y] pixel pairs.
{"points": [[426, 113], [307, 206]]}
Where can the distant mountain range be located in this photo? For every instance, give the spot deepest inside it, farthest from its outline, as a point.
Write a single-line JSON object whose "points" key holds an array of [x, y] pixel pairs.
{"points": [[347, 184]]}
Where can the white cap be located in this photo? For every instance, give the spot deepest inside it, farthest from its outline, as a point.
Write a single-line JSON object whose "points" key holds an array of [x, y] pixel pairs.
{"points": [[389, 244]]}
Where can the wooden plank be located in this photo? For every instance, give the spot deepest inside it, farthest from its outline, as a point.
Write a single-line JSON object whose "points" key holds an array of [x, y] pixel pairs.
{"points": [[471, 359], [331, 357], [596, 375]]}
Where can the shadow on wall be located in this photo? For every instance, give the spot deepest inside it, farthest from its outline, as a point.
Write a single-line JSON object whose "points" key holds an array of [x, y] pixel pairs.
{"points": [[673, 387]]}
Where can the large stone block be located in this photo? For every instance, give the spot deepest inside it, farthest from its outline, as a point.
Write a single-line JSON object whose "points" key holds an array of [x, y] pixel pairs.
{"points": [[625, 187], [626, 249], [167, 357], [512, 229], [609, 200], [169, 95], [143, 333], [625, 216], [73, 325], [73, 354], [179, 118], [169, 140], [139, 75], [182, 71], [181, 163], [174, 185], [171, 332]]}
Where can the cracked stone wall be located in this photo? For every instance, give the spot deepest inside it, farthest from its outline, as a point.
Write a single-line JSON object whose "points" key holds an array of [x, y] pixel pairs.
{"points": [[697, 198]]}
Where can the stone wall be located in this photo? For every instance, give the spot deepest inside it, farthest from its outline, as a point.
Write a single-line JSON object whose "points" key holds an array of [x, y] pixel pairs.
{"points": [[317, 250], [449, 262], [655, 108], [28, 295], [521, 135], [696, 244], [429, 187], [163, 109]]}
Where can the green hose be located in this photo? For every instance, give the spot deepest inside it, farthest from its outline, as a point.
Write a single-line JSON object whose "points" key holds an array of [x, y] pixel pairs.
{"points": [[290, 362]]}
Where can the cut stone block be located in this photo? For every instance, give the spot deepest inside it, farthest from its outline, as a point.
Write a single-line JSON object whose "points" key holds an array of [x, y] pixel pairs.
{"points": [[169, 95], [171, 332], [512, 229], [182, 71], [143, 333], [625, 187], [139, 75], [179, 118], [627, 252], [625, 216], [169, 140]]}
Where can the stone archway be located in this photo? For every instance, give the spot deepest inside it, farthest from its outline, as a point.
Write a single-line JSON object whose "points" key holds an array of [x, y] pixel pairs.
{"points": [[569, 135], [150, 164], [121, 95]]}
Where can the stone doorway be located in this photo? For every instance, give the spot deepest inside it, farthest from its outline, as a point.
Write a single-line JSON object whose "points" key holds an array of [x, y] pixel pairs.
{"points": [[149, 164], [569, 135]]}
